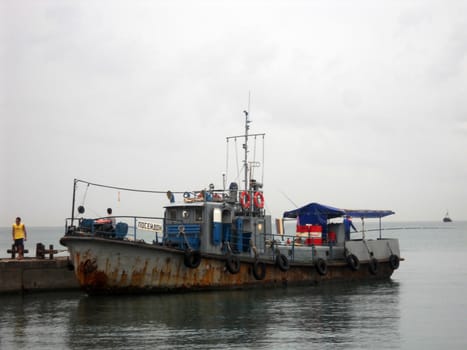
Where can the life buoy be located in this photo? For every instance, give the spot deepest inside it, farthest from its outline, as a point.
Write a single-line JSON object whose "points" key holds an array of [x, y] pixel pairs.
{"points": [[282, 262], [321, 266], [394, 261], [245, 200], [353, 262], [259, 270], [192, 258], [232, 262], [259, 200], [373, 266]]}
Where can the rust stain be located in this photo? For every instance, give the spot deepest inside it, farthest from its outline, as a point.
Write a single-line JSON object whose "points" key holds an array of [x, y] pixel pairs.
{"points": [[89, 276], [207, 277], [89, 266], [138, 276], [170, 273], [166, 272], [123, 278], [77, 258]]}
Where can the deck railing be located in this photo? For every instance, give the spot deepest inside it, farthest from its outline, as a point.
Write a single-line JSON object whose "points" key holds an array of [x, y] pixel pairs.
{"points": [[132, 227]]}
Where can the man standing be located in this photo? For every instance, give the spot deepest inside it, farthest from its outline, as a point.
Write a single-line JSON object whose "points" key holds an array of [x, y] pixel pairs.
{"points": [[19, 236], [347, 225], [111, 218]]}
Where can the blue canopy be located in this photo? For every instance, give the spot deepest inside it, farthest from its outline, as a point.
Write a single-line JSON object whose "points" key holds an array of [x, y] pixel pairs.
{"points": [[314, 214], [368, 213], [318, 214]]}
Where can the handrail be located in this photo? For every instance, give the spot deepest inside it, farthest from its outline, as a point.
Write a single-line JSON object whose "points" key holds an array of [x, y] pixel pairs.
{"points": [[71, 222]]}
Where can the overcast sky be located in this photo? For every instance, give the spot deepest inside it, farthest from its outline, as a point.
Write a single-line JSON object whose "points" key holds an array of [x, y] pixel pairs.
{"points": [[364, 103]]}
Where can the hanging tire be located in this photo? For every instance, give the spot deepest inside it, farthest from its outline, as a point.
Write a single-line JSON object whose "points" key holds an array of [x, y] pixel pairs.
{"points": [[259, 270], [232, 263], [192, 258], [70, 266], [353, 262], [321, 267], [394, 261], [373, 266], [282, 262]]}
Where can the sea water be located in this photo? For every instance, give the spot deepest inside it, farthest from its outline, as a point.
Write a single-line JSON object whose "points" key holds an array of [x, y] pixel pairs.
{"points": [[423, 306]]}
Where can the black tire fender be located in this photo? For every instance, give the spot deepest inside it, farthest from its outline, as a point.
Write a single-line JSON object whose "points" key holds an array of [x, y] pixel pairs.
{"points": [[232, 262], [353, 262], [394, 261], [373, 266], [321, 266], [259, 270], [282, 262], [192, 258]]}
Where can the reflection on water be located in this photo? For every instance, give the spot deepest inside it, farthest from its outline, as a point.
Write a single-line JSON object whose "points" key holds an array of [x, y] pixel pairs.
{"points": [[296, 317], [35, 321], [336, 316], [423, 307]]}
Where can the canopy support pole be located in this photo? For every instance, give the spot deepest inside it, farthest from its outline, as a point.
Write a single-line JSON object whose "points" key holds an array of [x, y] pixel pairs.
{"points": [[363, 228], [380, 227], [73, 204]]}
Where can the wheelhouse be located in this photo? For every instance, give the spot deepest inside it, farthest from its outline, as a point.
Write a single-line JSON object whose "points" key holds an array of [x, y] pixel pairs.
{"points": [[214, 227]]}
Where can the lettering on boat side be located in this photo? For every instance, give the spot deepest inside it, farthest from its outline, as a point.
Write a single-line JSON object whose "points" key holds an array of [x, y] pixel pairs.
{"points": [[149, 226]]}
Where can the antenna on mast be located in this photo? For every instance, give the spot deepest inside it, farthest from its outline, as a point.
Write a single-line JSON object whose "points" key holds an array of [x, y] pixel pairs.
{"points": [[245, 145]]}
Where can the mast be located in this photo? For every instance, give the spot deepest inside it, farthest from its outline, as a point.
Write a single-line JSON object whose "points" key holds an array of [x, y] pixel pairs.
{"points": [[246, 137], [73, 204], [245, 147]]}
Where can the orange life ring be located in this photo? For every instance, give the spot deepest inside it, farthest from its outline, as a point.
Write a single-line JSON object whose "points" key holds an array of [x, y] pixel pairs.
{"points": [[259, 200], [245, 200]]}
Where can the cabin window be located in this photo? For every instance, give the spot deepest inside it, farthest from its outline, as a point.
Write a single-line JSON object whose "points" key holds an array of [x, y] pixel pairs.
{"points": [[199, 214], [171, 214]]}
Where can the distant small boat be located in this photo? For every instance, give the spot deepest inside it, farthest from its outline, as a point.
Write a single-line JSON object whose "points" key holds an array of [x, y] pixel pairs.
{"points": [[447, 218]]}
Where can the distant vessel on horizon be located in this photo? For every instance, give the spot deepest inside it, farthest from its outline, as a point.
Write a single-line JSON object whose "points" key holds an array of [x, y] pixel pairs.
{"points": [[447, 218]]}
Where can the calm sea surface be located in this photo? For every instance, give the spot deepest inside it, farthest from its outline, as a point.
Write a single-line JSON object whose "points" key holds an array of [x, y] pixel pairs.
{"points": [[423, 306]]}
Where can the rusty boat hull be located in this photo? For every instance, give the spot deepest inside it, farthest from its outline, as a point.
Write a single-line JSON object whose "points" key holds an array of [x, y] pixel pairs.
{"points": [[222, 238], [104, 266]]}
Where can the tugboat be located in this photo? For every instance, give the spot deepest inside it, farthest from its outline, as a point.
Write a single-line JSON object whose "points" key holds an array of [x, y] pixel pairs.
{"points": [[447, 218], [224, 239]]}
